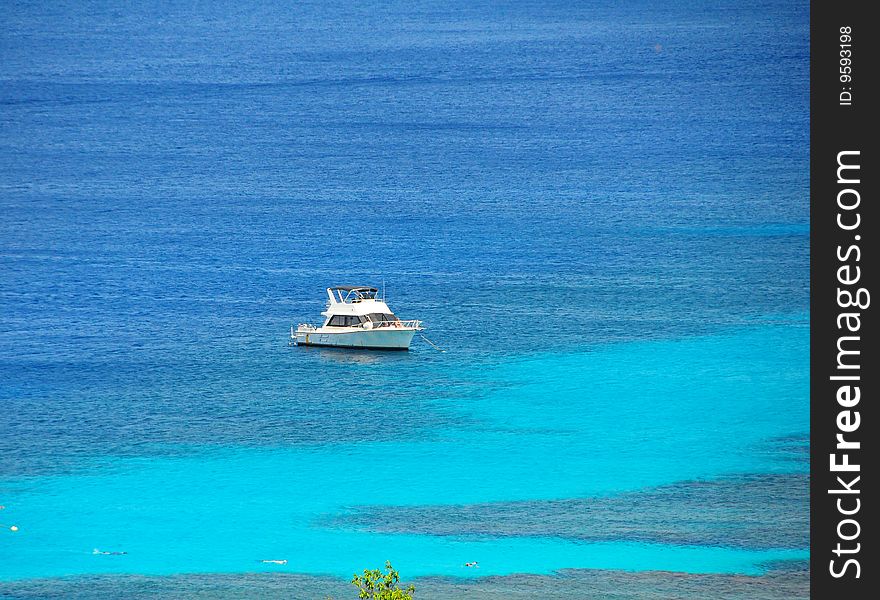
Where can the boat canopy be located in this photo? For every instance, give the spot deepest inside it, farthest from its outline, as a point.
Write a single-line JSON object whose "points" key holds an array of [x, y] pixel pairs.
{"points": [[351, 293]]}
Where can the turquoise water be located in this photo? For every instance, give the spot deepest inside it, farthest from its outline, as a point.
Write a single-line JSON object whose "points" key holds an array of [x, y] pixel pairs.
{"points": [[598, 209], [591, 423]]}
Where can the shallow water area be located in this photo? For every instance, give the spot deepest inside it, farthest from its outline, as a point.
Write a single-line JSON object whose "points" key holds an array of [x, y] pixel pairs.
{"points": [[549, 434]]}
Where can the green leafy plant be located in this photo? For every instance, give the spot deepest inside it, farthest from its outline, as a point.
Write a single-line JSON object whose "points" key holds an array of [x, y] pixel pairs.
{"points": [[376, 585]]}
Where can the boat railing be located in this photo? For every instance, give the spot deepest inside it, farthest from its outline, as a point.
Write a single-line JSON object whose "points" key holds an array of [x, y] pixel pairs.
{"points": [[410, 324]]}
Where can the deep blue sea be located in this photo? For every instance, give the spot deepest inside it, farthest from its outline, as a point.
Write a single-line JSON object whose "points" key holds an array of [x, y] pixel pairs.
{"points": [[599, 210]]}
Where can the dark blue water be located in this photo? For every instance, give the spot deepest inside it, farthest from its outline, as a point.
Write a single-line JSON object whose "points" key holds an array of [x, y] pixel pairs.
{"points": [[599, 210]]}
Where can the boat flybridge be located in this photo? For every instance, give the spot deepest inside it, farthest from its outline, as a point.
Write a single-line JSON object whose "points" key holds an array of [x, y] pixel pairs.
{"points": [[357, 318]]}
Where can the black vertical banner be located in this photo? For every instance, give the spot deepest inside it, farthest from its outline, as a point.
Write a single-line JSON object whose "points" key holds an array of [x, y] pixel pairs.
{"points": [[843, 187]]}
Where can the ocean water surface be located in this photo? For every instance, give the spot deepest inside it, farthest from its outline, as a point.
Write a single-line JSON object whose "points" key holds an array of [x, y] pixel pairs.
{"points": [[599, 210]]}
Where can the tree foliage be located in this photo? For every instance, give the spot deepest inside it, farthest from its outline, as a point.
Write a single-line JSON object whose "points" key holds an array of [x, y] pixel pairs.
{"points": [[376, 585]]}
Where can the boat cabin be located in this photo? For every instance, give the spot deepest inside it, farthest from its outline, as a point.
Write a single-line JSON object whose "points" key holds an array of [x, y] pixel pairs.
{"points": [[357, 306]]}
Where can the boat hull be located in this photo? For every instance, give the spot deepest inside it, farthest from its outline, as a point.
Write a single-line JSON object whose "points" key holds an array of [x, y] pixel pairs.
{"points": [[382, 339]]}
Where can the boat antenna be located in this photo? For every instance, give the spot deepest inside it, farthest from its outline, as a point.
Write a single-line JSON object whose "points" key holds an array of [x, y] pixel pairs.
{"points": [[383, 290]]}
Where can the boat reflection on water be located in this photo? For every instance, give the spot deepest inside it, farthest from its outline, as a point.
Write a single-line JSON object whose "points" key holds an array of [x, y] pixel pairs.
{"points": [[357, 356]]}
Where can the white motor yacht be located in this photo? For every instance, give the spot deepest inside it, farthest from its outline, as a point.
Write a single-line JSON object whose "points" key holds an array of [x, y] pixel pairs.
{"points": [[357, 318]]}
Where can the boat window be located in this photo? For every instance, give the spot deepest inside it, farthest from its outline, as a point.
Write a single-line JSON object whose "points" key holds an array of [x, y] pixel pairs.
{"points": [[344, 321], [382, 317]]}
